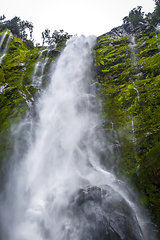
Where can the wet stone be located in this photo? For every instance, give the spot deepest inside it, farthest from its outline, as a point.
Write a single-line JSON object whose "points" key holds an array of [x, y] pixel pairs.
{"points": [[102, 213]]}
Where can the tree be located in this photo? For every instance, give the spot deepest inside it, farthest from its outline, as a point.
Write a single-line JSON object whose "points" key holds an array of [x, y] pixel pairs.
{"points": [[157, 2], [2, 17], [23, 25], [17, 26], [13, 25], [46, 37], [155, 18], [57, 37], [135, 16]]}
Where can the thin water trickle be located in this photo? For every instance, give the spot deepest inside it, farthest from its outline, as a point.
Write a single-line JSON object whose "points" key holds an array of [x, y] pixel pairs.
{"points": [[133, 131], [6, 47], [132, 46], [39, 69], [57, 187], [112, 125], [3, 38], [135, 88]]}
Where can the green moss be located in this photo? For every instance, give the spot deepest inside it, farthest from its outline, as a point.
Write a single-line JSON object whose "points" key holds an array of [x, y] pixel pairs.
{"points": [[130, 93], [12, 107], [16, 80], [2, 77], [15, 70]]}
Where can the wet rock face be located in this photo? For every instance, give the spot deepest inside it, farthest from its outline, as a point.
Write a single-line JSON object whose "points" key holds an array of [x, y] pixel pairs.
{"points": [[129, 72], [141, 28], [118, 32], [129, 29], [102, 213]]}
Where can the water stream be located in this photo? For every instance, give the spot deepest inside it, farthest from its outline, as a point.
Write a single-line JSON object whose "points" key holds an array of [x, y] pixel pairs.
{"points": [[6, 47], [132, 46], [56, 187], [3, 38], [39, 69]]}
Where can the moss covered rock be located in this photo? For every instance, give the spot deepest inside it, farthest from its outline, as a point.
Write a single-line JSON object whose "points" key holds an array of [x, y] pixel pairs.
{"points": [[17, 91], [128, 70]]}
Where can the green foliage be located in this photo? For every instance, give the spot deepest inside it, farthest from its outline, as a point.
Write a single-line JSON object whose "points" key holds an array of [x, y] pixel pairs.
{"points": [[17, 62], [15, 72], [135, 16], [16, 88], [156, 16], [29, 44], [17, 27], [57, 37], [13, 108]]}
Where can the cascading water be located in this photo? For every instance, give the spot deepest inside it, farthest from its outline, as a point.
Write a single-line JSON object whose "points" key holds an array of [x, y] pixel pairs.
{"points": [[6, 46], [39, 69], [2, 38], [56, 187], [132, 47]]}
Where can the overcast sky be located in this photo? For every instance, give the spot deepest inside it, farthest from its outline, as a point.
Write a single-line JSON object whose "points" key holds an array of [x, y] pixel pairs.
{"points": [[88, 17]]}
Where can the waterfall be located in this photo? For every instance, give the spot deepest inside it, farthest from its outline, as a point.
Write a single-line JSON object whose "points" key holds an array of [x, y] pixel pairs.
{"points": [[135, 88], [6, 48], [39, 69], [56, 187], [3, 37], [132, 46], [36, 80], [133, 131]]}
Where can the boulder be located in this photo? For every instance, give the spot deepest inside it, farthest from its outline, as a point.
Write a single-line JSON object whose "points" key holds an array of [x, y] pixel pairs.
{"points": [[102, 213]]}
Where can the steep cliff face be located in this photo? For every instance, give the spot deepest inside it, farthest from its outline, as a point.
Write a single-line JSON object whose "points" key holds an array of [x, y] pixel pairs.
{"points": [[128, 73], [128, 70], [17, 88]]}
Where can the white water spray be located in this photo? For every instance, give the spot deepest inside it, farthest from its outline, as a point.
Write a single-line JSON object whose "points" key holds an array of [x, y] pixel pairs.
{"points": [[63, 157]]}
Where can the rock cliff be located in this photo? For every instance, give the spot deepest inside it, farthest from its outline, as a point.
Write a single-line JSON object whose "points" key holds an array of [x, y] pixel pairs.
{"points": [[18, 88], [128, 75], [128, 72]]}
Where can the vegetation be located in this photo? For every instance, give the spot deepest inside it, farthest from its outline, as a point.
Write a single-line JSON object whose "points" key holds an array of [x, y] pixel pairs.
{"points": [[17, 27], [16, 89], [135, 16], [17, 93], [155, 16], [129, 77], [56, 38], [15, 79]]}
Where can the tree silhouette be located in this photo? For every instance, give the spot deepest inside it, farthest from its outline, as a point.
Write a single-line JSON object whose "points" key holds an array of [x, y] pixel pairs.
{"points": [[57, 37], [157, 2], [2, 17], [17, 26], [135, 16]]}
